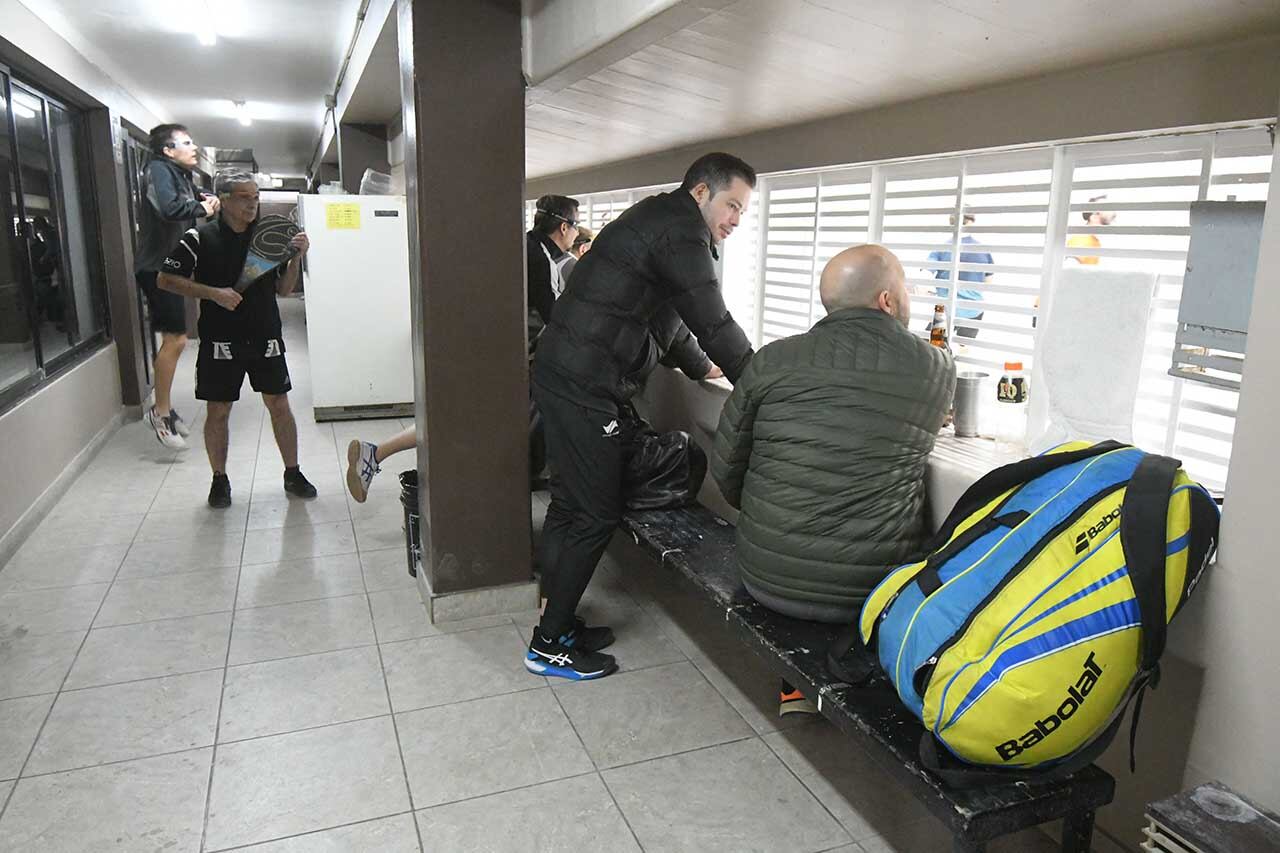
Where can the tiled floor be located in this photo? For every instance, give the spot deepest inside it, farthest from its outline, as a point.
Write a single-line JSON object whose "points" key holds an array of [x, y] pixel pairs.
{"points": [[179, 679]]}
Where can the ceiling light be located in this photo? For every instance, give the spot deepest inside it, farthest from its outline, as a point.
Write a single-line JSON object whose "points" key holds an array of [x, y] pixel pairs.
{"points": [[241, 111], [208, 38]]}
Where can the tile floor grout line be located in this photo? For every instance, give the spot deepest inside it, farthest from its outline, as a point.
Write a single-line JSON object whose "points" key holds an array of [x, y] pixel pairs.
{"points": [[4, 807], [253, 844], [226, 663], [115, 761], [395, 727], [139, 680], [809, 791], [505, 791], [641, 761], [595, 766]]}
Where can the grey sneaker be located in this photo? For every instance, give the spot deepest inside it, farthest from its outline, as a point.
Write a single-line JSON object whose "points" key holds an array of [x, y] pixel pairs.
{"points": [[165, 432]]}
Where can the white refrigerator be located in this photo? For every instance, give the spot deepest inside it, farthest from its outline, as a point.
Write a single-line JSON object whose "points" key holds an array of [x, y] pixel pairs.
{"points": [[357, 299]]}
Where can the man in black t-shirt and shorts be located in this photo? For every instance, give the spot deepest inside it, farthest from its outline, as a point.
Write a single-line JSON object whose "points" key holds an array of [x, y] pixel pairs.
{"points": [[239, 328]]}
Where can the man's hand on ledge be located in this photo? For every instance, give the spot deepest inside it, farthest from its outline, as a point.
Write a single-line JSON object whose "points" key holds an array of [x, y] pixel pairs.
{"points": [[715, 372]]}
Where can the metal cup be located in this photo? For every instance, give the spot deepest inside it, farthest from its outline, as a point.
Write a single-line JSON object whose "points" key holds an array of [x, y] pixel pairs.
{"points": [[968, 389]]}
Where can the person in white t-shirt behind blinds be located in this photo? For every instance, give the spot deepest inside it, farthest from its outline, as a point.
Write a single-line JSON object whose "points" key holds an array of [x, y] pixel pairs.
{"points": [[555, 232]]}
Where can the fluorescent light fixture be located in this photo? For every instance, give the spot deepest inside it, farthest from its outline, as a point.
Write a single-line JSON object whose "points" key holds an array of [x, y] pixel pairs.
{"points": [[206, 31], [241, 111]]}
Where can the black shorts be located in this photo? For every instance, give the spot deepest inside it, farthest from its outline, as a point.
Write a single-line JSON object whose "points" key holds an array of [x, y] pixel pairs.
{"points": [[221, 367], [168, 310]]}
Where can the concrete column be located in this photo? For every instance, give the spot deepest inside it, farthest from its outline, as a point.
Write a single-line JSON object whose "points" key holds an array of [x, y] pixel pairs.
{"points": [[463, 107]]}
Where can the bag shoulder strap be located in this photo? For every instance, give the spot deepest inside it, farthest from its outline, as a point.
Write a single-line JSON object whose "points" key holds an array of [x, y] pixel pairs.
{"points": [[856, 670], [1143, 531]]}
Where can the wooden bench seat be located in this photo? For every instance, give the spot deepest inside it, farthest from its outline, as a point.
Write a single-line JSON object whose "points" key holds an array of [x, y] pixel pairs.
{"points": [[699, 546]]}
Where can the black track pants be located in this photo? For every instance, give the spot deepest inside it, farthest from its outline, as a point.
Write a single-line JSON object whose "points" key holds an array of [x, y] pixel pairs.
{"points": [[586, 449]]}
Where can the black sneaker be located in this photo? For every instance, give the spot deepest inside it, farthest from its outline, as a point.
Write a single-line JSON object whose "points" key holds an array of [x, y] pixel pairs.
{"points": [[220, 492], [549, 657], [296, 484], [588, 639]]}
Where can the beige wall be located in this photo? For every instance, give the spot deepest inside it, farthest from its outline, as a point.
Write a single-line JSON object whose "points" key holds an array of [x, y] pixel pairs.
{"points": [[1232, 629], [57, 426], [1222, 83], [42, 436]]}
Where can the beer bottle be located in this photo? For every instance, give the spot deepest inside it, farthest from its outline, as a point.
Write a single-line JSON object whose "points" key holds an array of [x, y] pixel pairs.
{"points": [[938, 331]]}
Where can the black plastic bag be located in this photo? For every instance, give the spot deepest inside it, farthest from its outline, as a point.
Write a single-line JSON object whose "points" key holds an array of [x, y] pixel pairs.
{"points": [[664, 469]]}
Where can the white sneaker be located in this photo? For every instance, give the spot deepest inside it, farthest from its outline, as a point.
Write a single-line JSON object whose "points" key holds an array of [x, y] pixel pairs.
{"points": [[362, 464], [179, 425], [165, 432]]}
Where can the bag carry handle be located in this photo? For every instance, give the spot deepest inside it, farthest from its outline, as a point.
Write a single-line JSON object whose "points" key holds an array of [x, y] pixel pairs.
{"points": [[1000, 480]]}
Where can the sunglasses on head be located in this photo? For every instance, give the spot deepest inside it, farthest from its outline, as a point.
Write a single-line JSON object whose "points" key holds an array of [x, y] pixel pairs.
{"points": [[572, 223]]}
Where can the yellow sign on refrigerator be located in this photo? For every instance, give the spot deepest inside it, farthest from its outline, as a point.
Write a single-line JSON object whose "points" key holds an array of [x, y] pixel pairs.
{"points": [[342, 215]]}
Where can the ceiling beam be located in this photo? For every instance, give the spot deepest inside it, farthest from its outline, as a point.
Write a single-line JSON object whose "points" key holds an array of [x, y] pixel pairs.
{"points": [[575, 53]]}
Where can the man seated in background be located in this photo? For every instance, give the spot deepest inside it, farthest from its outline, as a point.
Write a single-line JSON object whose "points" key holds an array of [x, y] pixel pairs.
{"points": [[581, 245], [823, 443]]}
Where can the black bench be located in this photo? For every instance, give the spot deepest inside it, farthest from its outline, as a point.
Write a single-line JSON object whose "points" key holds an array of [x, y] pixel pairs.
{"points": [[700, 546]]}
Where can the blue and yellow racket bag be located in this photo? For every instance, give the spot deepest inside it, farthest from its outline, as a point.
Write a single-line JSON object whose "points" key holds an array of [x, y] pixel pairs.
{"points": [[1041, 609]]}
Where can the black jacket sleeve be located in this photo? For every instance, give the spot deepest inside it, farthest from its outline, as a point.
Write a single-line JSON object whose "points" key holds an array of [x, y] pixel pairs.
{"points": [[541, 298], [683, 261], [166, 196], [681, 347]]}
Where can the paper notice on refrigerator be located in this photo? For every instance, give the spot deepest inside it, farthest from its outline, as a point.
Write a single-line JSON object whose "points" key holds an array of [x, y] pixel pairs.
{"points": [[342, 216]]}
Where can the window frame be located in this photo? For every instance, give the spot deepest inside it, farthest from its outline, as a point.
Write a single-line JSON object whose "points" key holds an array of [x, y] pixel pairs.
{"points": [[48, 370]]}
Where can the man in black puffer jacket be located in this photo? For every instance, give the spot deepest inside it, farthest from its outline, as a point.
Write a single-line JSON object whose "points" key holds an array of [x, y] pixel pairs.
{"points": [[647, 291]]}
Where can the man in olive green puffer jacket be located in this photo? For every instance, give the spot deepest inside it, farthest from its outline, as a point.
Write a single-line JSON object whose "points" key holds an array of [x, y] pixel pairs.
{"points": [[824, 441]]}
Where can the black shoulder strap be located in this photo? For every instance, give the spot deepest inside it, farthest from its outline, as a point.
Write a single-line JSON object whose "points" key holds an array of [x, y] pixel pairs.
{"points": [[1143, 531], [855, 669], [1001, 479]]}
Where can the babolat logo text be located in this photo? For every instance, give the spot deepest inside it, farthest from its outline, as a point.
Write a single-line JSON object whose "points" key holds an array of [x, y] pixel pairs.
{"points": [[1084, 539], [1076, 694]]}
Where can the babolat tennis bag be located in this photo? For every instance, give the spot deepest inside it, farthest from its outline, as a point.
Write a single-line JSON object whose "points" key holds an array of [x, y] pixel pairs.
{"points": [[1041, 611]]}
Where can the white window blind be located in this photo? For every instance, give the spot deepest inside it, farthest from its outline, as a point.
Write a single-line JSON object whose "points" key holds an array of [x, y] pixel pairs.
{"points": [[788, 216], [1149, 186], [1027, 210]]}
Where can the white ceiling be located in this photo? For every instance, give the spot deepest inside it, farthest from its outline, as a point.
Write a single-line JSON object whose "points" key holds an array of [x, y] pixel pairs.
{"points": [[755, 64], [279, 56], [741, 66], [376, 97]]}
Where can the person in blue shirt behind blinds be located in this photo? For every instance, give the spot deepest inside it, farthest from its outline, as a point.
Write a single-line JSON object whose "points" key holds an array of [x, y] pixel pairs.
{"points": [[963, 294]]}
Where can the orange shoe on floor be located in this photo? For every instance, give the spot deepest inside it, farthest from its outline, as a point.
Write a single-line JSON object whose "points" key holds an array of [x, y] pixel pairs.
{"points": [[792, 701]]}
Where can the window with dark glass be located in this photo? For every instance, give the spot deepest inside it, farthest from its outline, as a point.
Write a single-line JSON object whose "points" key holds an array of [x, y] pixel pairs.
{"points": [[52, 302]]}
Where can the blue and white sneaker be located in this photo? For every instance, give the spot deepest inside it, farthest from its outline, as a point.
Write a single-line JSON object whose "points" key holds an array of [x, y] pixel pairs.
{"points": [[362, 464], [554, 658]]}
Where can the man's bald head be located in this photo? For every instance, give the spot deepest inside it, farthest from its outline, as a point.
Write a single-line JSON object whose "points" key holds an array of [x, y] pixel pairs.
{"points": [[867, 276]]}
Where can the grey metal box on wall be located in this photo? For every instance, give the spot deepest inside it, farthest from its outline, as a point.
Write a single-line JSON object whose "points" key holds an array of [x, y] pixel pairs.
{"points": [[1217, 292]]}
